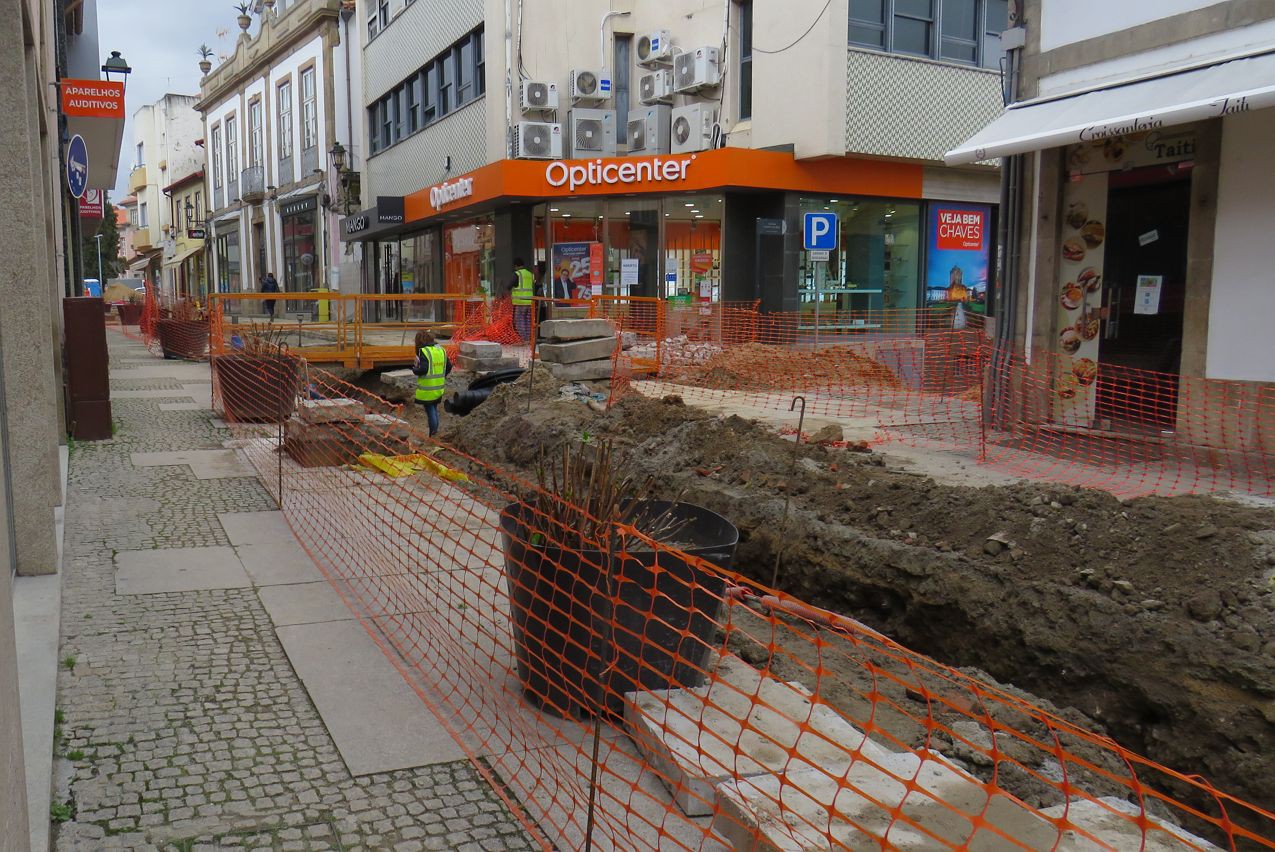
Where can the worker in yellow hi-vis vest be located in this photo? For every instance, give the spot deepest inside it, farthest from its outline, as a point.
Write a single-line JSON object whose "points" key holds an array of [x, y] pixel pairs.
{"points": [[522, 291], [431, 368]]}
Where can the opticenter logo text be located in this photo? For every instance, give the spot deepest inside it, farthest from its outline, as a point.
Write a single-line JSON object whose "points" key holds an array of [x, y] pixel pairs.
{"points": [[603, 173], [446, 193]]}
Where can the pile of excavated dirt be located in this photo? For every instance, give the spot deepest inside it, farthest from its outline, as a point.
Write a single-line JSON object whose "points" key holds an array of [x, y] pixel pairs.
{"points": [[756, 366], [1155, 618]]}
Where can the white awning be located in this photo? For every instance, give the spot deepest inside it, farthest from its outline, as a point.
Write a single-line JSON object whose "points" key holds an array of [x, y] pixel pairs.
{"points": [[1240, 85]]}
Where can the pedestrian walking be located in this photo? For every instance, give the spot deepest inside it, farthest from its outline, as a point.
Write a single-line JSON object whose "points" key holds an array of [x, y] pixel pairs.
{"points": [[269, 284], [522, 293], [431, 368]]}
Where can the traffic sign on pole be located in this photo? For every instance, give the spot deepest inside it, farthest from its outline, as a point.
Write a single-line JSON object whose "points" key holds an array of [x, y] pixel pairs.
{"points": [[820, 232], [77, 166]]}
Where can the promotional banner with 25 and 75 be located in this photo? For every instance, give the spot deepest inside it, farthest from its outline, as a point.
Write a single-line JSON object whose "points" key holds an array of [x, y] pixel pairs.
{"points": [[958, 257]]}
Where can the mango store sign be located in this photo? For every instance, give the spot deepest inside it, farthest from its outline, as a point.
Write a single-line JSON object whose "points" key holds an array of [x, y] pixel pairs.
{"points": [[612, 172]]}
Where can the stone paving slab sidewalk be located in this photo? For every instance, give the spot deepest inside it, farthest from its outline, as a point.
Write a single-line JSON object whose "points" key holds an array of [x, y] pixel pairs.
{"points": [[181, 722]]}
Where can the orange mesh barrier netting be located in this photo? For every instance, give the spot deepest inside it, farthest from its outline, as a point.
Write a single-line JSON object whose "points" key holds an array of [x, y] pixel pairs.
{"points": [[909, 377], [595, 672]]}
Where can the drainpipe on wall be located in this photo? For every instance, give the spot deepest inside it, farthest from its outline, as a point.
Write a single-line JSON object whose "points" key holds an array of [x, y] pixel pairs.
{"points": [[509, 81], [996, 406]]}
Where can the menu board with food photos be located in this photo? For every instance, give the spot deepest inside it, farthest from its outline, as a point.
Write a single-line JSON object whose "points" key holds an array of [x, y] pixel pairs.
{"points": [[1079, 298]]}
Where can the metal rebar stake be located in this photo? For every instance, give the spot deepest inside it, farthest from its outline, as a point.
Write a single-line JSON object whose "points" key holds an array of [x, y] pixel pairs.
{"points": [[590, 818], [792, 469], [531, 380]]}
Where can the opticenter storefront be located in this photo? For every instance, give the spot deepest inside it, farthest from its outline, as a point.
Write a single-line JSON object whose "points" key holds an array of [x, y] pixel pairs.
{"points": [[690, 228]]}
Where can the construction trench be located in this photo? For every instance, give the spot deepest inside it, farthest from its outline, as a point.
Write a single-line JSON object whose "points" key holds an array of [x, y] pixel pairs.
{"points": [[1150, 620]]}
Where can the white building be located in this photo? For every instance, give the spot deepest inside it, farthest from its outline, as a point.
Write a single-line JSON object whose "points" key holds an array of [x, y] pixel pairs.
{"points": [[164, 149], [775, 109], [1138, 149], [271, 114]]}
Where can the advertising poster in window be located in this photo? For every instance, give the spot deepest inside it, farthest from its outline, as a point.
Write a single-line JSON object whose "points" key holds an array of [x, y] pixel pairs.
{"points": [[958, 260], [575, 261]]}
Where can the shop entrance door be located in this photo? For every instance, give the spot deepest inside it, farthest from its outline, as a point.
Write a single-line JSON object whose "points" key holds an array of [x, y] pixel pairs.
{"points": [[1147, 223]]}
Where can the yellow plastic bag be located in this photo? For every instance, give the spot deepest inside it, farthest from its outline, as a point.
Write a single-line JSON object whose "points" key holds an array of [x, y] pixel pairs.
{"points": [[399, 466]]}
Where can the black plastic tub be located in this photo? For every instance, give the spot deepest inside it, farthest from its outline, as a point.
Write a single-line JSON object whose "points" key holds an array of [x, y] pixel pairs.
{"points": [[661, 627]]}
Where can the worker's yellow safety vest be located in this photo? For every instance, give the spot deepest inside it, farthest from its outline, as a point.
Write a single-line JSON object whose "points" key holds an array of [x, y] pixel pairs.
{"points": [[525, 289], [430, 387]]}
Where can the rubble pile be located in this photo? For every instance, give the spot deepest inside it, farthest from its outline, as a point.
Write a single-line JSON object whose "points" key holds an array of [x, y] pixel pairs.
{"points": [[332, 432], [677, 350]]}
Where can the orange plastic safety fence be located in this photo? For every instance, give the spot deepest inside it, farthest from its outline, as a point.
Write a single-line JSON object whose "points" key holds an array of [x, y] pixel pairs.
{"points": [[911, 377], [589, 668]]}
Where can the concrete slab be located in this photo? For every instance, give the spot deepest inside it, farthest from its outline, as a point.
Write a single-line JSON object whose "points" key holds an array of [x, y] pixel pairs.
{"points": [[201, 392], [255, 527], [906, 801], [575, 329], [217, 423], [180, 569], [575, 351], [376, 720], [303, 603], [204, 464], [737, 725], [37, 606], [165, 393], [181, 406], [278, 563], [1112, 821], [582, 371], [163, 370]]}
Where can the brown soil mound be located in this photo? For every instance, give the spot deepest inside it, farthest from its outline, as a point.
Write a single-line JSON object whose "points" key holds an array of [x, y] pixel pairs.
{"points": [[1154, 617], [756, 366]]}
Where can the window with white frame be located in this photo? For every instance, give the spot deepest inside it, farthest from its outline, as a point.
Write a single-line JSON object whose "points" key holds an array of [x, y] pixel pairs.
{"points": [[309, 110], [964, 31], [283, 98], [216, 157], [254, 133], [232, 147], [378, 17], [142, 220]]}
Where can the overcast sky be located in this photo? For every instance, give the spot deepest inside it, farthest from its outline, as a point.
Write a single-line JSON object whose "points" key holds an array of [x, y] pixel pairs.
{"points": [[161, 41]]}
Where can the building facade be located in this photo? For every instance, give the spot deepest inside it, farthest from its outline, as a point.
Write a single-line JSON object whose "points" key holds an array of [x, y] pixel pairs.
{"points": [[184, 249], [660, 148], [165, 149], [1137, 150], [271, 114]]}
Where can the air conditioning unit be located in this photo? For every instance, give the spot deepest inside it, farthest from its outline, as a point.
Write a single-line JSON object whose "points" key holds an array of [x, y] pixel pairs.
{"points": [[590, 86], [697, 69], [692, 127], [649, 129], [538, 96], [654, 49], [656, 87], [537, 140], [592, 132]]}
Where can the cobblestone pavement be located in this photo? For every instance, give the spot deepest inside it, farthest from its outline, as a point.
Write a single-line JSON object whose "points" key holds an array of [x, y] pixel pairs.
{"points": [[181, 724]]}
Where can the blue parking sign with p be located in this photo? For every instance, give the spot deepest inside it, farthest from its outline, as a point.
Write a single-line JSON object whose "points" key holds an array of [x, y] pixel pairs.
{"points": [[820, 232]]}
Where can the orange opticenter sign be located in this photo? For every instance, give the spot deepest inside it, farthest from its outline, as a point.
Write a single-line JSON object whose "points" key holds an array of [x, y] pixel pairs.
{"points": [[93, 98], [741, 168]]}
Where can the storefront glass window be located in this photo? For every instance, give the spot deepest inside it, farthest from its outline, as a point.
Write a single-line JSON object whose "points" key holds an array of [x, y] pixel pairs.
{"points": [[577, 241], [874, 269], [419, 273], [469, 258], [633, 247], [693, 248], [298, 253], [229, 277]]}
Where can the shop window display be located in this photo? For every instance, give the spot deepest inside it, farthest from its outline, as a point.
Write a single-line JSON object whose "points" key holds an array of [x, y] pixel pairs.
{"points": [[874, 269]]}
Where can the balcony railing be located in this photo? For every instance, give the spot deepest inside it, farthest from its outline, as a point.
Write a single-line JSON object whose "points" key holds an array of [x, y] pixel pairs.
{"points": [[137, 178], [252, 184]]}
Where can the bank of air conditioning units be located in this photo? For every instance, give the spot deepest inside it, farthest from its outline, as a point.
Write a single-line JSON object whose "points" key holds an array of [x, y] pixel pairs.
{"points": [[697, 69], [590, 87], [537, 140], [656, 87], [692, 127], [649, 129], [654, 49], [592, 132], [539, 96]]}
